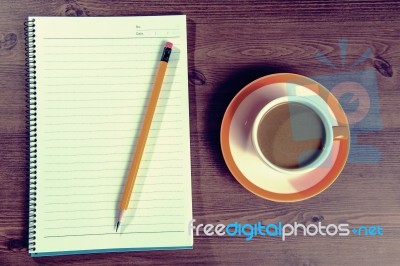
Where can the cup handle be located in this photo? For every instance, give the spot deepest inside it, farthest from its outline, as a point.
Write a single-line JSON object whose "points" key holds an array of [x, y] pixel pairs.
{"points": [[340, 132]]}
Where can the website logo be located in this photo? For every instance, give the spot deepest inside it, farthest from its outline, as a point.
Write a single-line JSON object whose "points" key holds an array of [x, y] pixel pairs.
{"points": [[357, 92], [283, 231]]}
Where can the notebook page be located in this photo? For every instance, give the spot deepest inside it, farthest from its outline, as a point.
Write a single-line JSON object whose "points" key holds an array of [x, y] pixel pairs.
{"points": [[94, 77]]}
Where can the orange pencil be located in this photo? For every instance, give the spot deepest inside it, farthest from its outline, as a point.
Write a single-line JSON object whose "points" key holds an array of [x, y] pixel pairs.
{"points": [[126, 196]]}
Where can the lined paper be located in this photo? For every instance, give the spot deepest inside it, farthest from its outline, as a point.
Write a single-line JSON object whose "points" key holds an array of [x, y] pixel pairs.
{"points": [[94, 77]]}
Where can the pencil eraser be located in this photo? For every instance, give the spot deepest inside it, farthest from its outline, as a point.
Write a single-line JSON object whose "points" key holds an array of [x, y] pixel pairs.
{"points": [[168, 45]]}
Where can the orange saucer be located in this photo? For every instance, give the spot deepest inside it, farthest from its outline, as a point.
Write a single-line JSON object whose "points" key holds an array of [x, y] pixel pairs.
{"points": [[245, 164]]}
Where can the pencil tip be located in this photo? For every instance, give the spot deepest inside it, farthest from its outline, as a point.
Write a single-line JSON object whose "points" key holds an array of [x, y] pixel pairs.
{"points": [[119, 219]]}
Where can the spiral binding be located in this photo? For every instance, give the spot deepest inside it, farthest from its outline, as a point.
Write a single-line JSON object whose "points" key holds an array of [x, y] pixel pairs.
{"points": [[31, 122]]}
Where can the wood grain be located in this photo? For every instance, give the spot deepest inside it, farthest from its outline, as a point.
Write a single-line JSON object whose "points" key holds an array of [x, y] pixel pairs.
{"points": [[230, 44]]}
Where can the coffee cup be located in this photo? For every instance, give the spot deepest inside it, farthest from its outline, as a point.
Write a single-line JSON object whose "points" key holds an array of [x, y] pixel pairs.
{"points": [[295, 134]]}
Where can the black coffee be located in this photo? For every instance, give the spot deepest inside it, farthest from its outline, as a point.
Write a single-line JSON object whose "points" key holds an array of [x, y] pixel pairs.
{"points": [[291, 135]]}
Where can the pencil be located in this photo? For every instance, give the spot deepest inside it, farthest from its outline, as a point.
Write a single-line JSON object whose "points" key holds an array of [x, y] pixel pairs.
{"points": [[144, 132]]}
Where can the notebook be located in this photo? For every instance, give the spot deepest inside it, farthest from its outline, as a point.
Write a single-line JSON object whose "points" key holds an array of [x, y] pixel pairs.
{"points": [[89, 82]]}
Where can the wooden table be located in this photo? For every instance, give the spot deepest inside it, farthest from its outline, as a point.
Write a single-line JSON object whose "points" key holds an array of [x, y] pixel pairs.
{"points": [[230, 44]]}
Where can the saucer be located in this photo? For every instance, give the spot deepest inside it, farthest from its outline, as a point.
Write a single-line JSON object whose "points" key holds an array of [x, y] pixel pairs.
{"points": [[244, 162]]}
